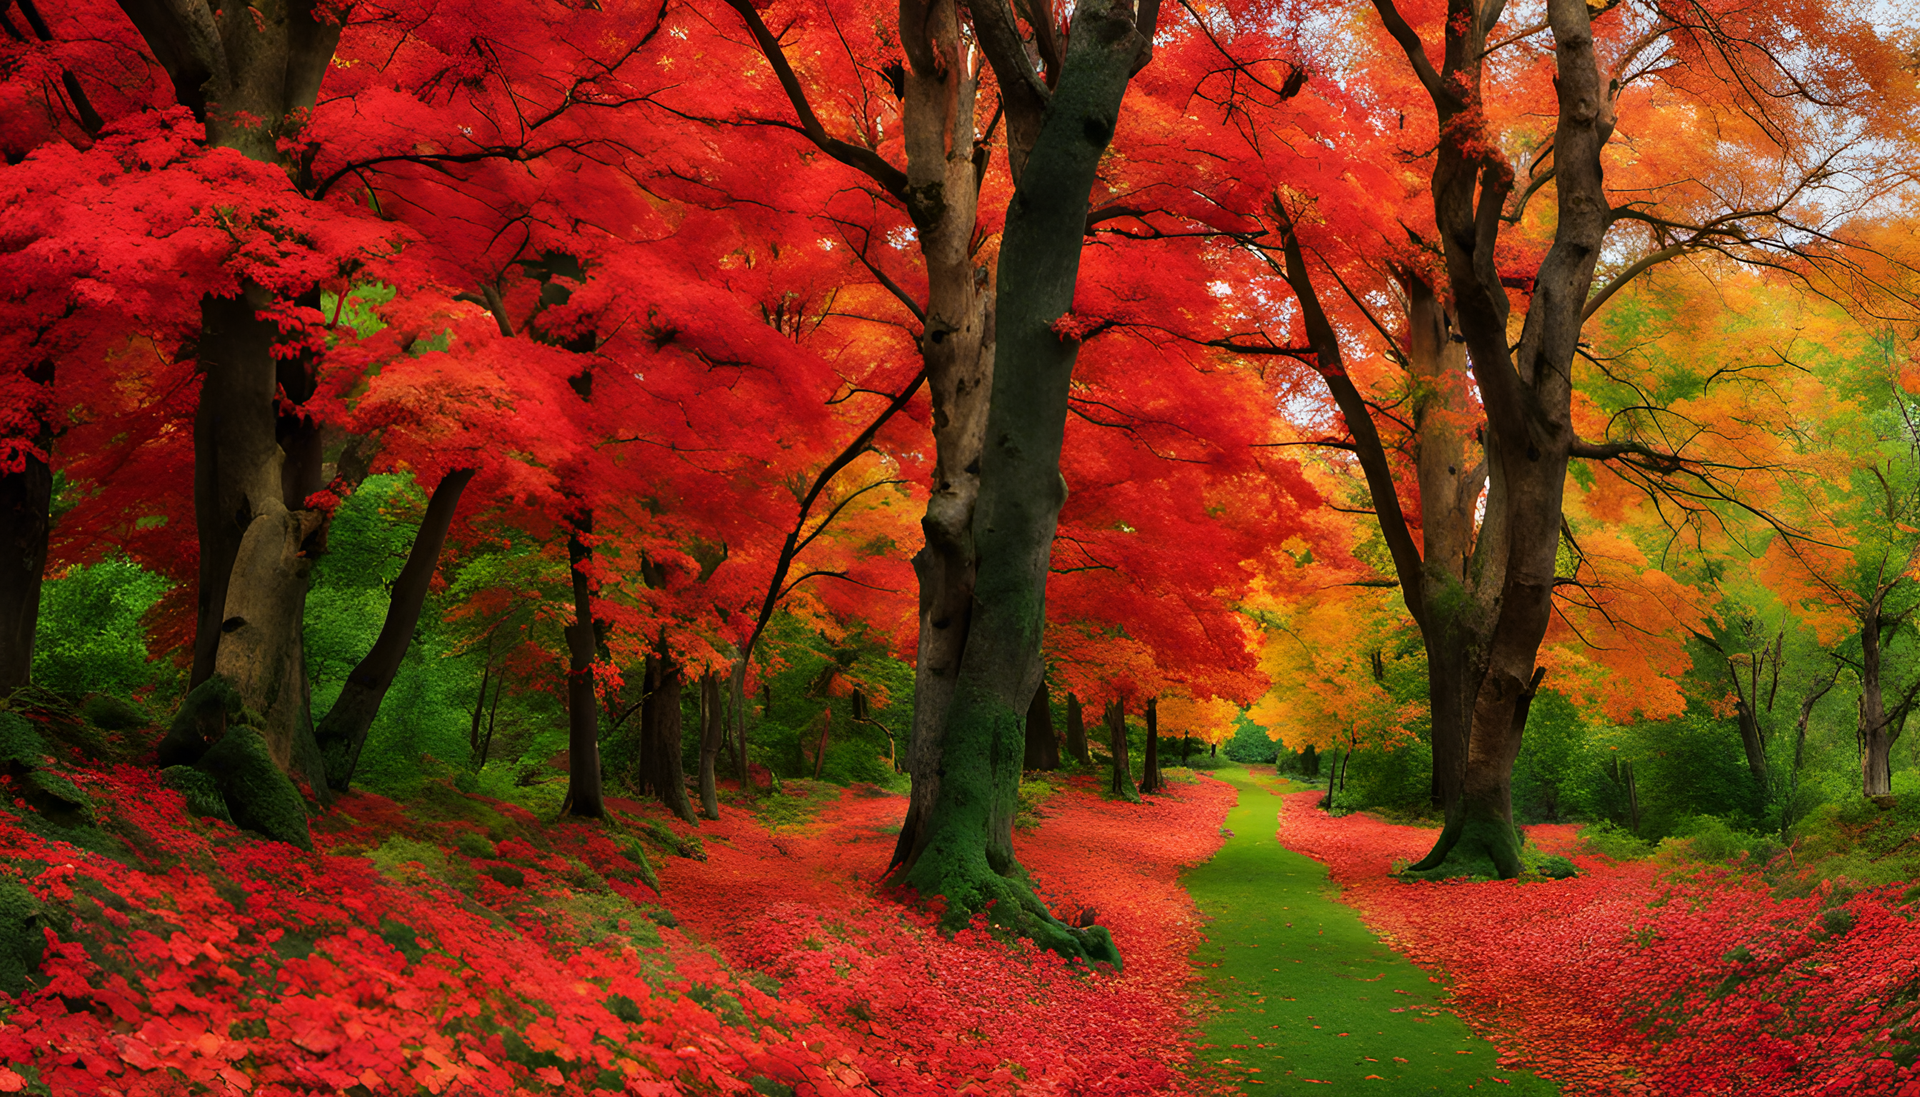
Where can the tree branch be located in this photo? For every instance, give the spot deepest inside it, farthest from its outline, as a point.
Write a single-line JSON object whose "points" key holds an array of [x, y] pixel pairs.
{"points": [[890, 178], [1416, 51]]}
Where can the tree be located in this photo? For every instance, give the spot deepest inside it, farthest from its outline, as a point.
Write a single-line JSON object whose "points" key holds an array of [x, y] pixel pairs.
{"points": [[1858, 552], [1491, 251], [247, 76], [963, 850], [1328, 658], [1043, 746], [1150, 779]]}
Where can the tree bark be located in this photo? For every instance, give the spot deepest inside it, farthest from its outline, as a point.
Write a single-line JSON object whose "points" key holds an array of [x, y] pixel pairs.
{"points": [[1876, 723], [1077, 732], [255, 558], [26, 498], [738, 685], [248, 72], [963, 849], [1753, 742], [660, 729], [343, 731], [1449, 584], [1527, 390], [1150, 765], [1043, 749], [713, 736], [584, 789], [1120, 782], [957, 345]]}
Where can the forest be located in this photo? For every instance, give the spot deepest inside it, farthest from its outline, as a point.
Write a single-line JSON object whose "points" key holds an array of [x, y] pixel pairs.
{"points": [[802, 547]]}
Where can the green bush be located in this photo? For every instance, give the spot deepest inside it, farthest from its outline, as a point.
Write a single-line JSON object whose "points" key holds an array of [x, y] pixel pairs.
{"points": [[784, 720], [91, 636], [1710, 838], [428, 709], [1551, 755], [1250, 745], [1685, 767], [1398, 783], [1551, 865], [1609, 840]]}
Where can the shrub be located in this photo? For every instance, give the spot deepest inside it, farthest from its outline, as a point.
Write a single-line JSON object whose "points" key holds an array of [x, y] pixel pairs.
{"points": [[1251, 745], [90, 635], [1710, 838], [1616, 842]]}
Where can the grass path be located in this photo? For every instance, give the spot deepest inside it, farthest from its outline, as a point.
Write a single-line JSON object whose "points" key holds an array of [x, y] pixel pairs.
{"points": [[1306, 997]]}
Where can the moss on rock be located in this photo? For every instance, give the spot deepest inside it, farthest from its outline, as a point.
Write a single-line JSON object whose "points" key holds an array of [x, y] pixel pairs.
{"points": [[21, 941], [636, 855], [59, 800], [260, 797], [200, 723], [20, 742], [104, 710], [202, 792]]}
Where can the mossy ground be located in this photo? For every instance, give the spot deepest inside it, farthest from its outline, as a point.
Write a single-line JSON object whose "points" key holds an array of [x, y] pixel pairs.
{"points": [[1302, 992]]}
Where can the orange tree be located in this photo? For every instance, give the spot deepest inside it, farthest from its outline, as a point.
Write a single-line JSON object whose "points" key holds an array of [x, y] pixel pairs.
{"points": [[1471, 243]]}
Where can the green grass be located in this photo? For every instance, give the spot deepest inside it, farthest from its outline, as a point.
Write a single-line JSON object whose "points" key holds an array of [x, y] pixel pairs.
{"points": [[1303, 992]]}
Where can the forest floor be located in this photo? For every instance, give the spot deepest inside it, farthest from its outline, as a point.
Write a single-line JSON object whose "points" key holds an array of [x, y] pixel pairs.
{"points": [[449, 942], [1303, 992], [1676, 976], [800, 902]]}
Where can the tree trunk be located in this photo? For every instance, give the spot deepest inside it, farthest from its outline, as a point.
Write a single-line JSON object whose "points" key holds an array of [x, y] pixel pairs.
{"points": [[820, 748], [1463, 545], [1150, 766], [1753, 742], [660, 731], [962, 848], [1814, 693], [1448, 581], [738, 684], [26, 498], [1121, 782], [254, 562], [1043, 750], [248, 72], [584, 792], [343, 731], [480, 710], [1526, 389], [943, 192], [1077, 732], [1876, 725], [713, 736]]}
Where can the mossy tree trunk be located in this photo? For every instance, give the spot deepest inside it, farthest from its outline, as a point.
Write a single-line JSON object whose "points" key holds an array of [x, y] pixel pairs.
{"points": [[343, 731], [248, 72], [1043, 749], [963, 848], [256, 537], [1525, 387]]}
